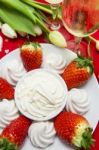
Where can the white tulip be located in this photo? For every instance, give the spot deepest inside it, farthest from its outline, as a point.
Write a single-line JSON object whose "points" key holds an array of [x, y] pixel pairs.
{"points": [[97, 45], [57, 39], [1, 43], [8, 31], [37, 30]]}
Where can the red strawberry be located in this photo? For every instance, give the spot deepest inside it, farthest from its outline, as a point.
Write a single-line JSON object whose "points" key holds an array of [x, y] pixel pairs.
{"points": [[14, 134], [74, 129], [6, 90], [78, 72], [31, 54]]}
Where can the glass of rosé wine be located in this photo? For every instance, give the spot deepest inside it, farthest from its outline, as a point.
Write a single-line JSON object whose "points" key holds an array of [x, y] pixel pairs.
{"points": [[54, 5], [80, 18]]}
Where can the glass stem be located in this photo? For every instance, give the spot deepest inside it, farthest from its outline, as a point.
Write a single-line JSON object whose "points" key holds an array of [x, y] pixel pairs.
{"points": [[77, 45], [55, 23]]}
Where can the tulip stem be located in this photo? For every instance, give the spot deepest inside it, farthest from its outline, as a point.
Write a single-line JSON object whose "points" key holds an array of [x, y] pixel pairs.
{"points": [[93, 39]]}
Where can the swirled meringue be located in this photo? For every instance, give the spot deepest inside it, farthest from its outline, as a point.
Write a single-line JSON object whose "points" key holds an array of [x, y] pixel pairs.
{"points": [[12, 71], [42, 134], [77, 101], [55, 62], [8, 112]]}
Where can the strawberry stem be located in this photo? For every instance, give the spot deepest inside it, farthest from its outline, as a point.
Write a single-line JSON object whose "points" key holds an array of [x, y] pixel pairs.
{"points": [[5, 144], [87, 140], [85, 62]]}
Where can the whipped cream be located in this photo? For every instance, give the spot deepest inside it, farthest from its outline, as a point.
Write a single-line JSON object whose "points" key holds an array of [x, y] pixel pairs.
{"points": [[41, 94], [8, 112], [42, 134], [12, 71], [55, 62], [77, 101]]}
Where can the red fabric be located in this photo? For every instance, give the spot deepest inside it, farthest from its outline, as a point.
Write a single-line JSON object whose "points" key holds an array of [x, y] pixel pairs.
{"points": [[96, 137]]}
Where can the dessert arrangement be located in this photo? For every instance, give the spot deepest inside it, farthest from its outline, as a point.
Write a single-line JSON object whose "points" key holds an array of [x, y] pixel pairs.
{"points": [[41, 98]]}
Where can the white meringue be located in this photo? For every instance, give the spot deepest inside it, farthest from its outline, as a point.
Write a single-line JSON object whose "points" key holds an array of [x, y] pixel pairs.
{"points": [[55, 62], [12, 71], [77, 101], [8, 112], [42, 134]]}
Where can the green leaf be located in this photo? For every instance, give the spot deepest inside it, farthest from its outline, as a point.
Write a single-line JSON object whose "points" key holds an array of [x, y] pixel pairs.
{"points": [[16, 20], [19, 6], [38, 5], [87, 140], [5, 144], [42, 7]]}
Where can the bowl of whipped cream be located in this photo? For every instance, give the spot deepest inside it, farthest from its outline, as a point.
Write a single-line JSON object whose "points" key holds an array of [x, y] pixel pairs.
{"points": [[41, 94]]}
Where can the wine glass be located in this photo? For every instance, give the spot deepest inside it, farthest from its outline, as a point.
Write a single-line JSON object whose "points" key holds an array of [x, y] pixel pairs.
{"points": [[80, 18], [54, 5]]}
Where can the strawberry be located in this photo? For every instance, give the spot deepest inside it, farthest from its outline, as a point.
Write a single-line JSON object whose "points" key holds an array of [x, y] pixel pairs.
{"points": [[78, 72], [14, 134], [6, 90], [31, 55], [74, 129]]}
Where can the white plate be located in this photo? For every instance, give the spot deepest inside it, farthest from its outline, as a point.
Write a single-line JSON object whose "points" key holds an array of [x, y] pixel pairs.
{"points": [[91, 87]]}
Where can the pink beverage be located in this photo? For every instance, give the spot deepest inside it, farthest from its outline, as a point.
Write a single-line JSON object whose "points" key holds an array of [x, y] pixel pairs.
{"points": [[54, 1], [81, 17]]}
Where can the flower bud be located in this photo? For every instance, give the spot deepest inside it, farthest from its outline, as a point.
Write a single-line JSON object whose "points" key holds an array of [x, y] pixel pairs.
{"points": [[57, 39], [8, 31], [97, 45], [1, 43], [37, 30]]}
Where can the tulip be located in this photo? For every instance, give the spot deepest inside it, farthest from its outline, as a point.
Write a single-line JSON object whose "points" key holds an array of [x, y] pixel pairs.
{"points": [[8, 31], [37, 30], [1, 43], [57, 39]]}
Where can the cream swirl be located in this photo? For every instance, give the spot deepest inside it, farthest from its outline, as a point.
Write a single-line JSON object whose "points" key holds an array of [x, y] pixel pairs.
{"points": [[77, 101], [8, 112], [56, 62], [42, 134], [41, 93], [12, 71]]}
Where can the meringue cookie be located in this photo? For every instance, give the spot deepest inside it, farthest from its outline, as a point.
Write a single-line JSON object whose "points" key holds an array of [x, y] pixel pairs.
{"points": [[77, 101], [8, 112], [55, 62], [13, 71], [42, 134]]}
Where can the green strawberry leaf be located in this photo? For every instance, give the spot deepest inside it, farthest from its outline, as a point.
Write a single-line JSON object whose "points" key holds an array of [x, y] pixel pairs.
{"points": [[87, 140]]}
